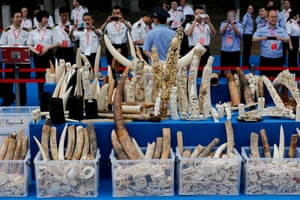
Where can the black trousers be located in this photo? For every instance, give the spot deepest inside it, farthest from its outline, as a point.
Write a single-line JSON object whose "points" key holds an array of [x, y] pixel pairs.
{"points": [[42, 62], [230, 59], [65, 53], [270, 62], [8, 94], [292, 60], [124, 52], [247, 41]]}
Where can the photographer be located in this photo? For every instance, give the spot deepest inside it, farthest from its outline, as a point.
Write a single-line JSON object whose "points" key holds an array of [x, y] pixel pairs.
{"points": [[61, 35], [89, 38], [116, 28], [200, 31]]}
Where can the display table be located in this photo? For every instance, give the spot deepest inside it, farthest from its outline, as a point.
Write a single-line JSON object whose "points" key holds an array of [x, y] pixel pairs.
{"points": [[194, 133], [220, 93]]}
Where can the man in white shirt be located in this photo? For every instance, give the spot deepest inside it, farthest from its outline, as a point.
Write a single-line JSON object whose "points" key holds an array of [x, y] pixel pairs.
{"points": [[77, 13], [61, 35], [139, 31], [26, 22], [176, 17], [185, 8], [200, 31], [116, 28], [14, 35], [286, 9], [89, 38]]}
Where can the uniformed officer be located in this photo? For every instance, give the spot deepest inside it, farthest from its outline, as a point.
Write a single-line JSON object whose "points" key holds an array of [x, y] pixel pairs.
{"points": [[116, 28], [161, 36], [139, 31], [231, 31], [89, 38], [36, 22], [286, 9], [26, 22], [14, 35], [77, 13], [176, 17], [293, 30], [40, 42], [200, 31], [261, 20], [247, 36], [271, 40], [185, 8], [61, 35]]}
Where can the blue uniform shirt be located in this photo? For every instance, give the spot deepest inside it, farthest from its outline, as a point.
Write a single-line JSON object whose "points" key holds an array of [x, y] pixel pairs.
{"points": [[271, 48], [260, 22], [230, 40], [248, 24], [159, 37]]}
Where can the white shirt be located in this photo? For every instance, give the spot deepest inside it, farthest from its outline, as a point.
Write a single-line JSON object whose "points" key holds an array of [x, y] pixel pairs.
{"points": [[42, 36], [116, 32], [186, 10], [61, 36], [88, 41], [77, 14], [292, 28], [286, 13], [13, 36], [50, 22], [139, 30], [201, 34], [26, 23], [176, 17]]}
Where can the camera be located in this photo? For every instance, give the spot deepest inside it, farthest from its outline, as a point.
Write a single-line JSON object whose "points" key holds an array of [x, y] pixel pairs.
{"points": [[114, 18], [202, 16]]}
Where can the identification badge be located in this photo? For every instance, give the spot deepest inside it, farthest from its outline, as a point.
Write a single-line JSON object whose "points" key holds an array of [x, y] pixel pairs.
{"points": [[229, 40], [274, 46], [175, 23], [39, 48], [65, 43], [202, 41]]}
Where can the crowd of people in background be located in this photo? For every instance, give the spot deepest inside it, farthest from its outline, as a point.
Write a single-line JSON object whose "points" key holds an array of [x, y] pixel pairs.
{"points": [[277, 31]]}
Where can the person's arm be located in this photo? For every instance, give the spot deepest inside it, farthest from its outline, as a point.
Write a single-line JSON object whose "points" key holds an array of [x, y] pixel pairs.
{"points": [[223, 27], [190, 28], [147, 46], [211, 26], [236, 29], [108, 19], [257, 37], [126, 22]]}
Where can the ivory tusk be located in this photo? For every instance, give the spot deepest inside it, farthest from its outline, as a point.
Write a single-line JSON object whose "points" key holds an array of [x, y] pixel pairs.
{"points": [[219, 150], [61, 145], [131, 46], [44, 155], [97, 63], [281, 143], [120, 58], [254, 145]]}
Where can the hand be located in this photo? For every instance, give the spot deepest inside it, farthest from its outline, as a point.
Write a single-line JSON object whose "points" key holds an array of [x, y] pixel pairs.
{"points": [[264, 38], [291, 47], [44, 51], [108, 19], [207, 19]]}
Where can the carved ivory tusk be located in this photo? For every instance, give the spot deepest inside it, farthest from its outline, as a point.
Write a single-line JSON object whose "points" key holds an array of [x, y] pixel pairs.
{"points": [[254, 145], [121, 59], [219, 150], [265, 142], [187, 59]]}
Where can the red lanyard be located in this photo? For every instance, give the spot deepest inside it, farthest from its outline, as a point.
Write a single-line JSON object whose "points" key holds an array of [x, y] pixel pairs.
{"points": [[16, 36], [87, 37], [42, 35], [63, 32], [117, 26], [272, 31], [201, 28], [77, 15]]}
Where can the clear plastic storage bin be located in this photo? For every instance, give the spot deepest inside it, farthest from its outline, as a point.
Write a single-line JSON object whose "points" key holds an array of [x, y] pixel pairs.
{"points": [[14, 174], [67, 178], [208, 176], [271, 176], [153, 177]]}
